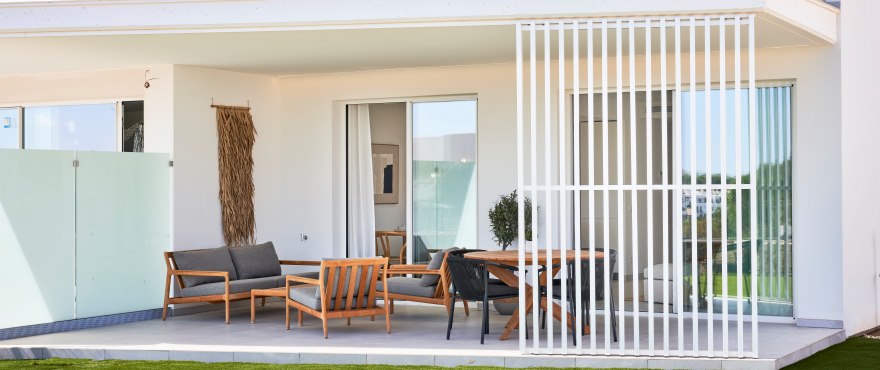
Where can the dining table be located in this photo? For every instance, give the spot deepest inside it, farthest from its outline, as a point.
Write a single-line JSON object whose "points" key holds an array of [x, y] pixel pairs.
{"points": [[511, 258]]}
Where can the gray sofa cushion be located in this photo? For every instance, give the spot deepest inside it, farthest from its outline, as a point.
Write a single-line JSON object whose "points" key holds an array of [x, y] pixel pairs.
{"points": [[306, 296], [214, 259], [283, 278], [436, 262], [237, 286], [255, 261], [408, 286]]}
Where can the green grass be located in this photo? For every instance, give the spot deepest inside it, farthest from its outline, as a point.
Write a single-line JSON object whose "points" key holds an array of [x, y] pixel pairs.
{"points": [[61, 363], [854, 353]]}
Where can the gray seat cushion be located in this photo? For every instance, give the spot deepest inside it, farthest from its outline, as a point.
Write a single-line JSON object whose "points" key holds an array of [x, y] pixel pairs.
{"points": [[307, 295], [408, 286], [436, 262], [237, 286], [283, 278], [255, 261], [215, 259]]}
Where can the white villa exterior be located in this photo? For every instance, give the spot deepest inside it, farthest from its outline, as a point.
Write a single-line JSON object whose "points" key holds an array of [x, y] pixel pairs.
{"points": [[297, 65]]}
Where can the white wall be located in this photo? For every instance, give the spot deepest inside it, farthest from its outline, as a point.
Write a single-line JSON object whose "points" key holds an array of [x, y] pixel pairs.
{"points": [[196, 179], [106, 85], [310, 116], [388, 126], [311, 122], [861, 177]]}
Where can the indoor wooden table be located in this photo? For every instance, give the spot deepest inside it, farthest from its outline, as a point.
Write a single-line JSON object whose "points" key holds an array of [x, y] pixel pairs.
{"points": [[511, 258]]}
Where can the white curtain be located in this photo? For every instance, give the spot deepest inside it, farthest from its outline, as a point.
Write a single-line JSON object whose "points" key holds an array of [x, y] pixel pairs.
{"points": [[361, 214]]}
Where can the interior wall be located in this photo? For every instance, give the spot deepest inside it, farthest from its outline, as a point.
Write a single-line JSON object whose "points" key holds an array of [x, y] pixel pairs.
{"points": [[388, 126], [196, 178], [861, 178]]}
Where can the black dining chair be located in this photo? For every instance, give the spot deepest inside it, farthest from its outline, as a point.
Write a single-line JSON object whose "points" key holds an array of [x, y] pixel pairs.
{"points": [[611, 254], [470, 281]]}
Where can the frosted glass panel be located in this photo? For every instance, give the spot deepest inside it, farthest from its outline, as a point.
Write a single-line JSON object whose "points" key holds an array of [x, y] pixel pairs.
{"points": [[71, 127], [444, 176], [36, 237], [9, 124], [123, 225]]}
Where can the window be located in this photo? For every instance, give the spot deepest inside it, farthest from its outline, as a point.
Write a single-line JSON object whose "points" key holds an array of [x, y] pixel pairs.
{"points": [[108, 127], [71, 127], [9, 124]]}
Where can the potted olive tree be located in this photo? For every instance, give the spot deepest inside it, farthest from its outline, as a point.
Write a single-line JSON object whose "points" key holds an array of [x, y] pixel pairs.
{"points": [[503, 217], [503, 220]]}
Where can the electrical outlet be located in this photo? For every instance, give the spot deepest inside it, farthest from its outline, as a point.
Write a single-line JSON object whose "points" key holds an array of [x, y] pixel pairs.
{"points": [[303, 237]]}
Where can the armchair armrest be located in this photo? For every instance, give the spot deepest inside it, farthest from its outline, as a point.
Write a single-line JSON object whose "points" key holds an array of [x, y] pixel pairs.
{"points": [[302, 280], [300, 263], [224, 274], [412, 271]]}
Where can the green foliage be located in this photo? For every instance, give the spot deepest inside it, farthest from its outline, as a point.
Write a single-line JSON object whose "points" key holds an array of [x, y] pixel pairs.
{"points": [[503, 219]]}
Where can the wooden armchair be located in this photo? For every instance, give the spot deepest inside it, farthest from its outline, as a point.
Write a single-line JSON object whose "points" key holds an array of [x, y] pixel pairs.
{"points": [[410, 289], [346, 288]]}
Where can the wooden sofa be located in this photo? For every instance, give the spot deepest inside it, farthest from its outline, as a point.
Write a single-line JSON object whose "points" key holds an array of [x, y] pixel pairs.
{"points": [[222, 275]]}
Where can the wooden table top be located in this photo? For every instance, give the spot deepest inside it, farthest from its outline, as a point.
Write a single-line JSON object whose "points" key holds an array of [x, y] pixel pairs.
{"points": [[511, 257]]}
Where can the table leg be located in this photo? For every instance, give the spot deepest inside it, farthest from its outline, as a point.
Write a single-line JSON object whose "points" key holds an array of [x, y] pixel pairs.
{"points": [[509, 278]]}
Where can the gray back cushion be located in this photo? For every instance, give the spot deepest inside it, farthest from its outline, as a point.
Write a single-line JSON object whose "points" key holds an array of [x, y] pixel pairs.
{"points": [[215, 259], [255, 261], [436, 262]]}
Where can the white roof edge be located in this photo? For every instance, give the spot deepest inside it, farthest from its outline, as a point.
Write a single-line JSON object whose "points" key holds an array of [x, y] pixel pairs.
{"points": [[814, 16], [95, 17]]}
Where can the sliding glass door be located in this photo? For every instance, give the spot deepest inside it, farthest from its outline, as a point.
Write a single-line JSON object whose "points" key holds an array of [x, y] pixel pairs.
{"points": [[444, 177]]}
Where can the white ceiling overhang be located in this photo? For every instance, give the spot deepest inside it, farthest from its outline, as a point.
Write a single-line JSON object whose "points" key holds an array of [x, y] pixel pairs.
{"points": [[280, 37]]}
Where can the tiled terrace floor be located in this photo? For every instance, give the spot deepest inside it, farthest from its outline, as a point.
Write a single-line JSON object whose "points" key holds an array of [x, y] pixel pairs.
{"points": [[418, 338]]}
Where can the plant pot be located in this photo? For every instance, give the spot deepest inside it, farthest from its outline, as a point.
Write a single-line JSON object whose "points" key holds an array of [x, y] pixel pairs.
{"points": [[506, 306]]}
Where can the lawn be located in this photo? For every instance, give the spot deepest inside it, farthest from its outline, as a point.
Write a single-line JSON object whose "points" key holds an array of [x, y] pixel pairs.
{"points": [[854, 353], [187, 365]]}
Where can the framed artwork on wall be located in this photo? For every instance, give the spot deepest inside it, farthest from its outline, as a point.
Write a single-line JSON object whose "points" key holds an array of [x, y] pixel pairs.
{"points": [[385, 173]]}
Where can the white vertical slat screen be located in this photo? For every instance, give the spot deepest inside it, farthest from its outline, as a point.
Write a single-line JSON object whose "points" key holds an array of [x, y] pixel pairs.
{"points": [[631, 144]]}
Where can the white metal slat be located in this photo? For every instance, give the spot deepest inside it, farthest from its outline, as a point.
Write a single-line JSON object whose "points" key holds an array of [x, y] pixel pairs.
{"points": [[605, 194], [665, 181], [591, 139], [753, 199], [576, 180], [634, 200], [548, 179], [707, 99], [678, 242], [563, 236], [693, 193], [649, 180], [621, 246], [520, 182], [722, 80], [533, 93], [739, 255]]}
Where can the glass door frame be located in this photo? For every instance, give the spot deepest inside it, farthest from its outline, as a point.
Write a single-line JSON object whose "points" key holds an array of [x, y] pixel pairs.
{"points": [[409, 158]]}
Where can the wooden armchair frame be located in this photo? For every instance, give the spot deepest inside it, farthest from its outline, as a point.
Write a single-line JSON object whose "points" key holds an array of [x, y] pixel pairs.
{"points": [[363, 272], [441, 295], [226, 297]]}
